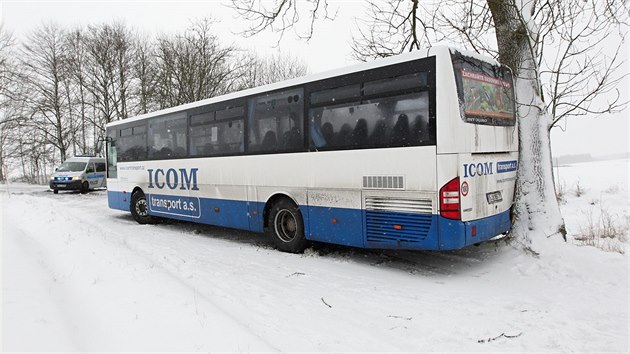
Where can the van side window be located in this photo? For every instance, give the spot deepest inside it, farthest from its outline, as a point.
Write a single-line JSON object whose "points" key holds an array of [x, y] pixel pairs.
{"points": [[100, 167], [89, 168]]}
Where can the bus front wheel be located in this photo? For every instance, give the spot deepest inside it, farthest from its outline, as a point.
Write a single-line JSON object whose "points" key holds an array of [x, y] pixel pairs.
{"points": [[140, 209], [285, 226]]}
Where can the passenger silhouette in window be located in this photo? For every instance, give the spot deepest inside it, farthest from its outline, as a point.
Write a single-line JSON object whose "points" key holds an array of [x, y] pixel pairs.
{"points": [[379, 135], [165, 152], [360, 132], [293, 138], [269, 141], [328, 133], [400, 133], [343, 137], [419, 131]]}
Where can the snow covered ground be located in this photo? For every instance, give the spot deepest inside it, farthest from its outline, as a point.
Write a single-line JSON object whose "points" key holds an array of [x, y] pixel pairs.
{"points": [[79, 277]]}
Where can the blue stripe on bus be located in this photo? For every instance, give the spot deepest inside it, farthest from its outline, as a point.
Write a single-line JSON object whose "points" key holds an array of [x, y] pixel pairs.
{"points": [[343, 226]]}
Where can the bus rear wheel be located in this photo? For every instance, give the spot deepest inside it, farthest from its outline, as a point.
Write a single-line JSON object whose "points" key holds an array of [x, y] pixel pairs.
{"points": [[140, 209], [285, 226]]}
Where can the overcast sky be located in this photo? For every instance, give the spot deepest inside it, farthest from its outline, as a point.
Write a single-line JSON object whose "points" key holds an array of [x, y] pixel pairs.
{"points": [[328, 49]]}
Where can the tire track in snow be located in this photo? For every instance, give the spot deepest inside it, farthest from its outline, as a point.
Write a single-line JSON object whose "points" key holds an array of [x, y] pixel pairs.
{"points": [[27, 275]]}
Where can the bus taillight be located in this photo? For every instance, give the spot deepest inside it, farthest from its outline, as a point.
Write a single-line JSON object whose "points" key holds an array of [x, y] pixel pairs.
{"points": [[449, 200]]}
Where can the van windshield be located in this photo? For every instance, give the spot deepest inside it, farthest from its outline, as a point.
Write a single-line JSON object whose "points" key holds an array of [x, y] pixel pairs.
{"points": [[71, 166]]}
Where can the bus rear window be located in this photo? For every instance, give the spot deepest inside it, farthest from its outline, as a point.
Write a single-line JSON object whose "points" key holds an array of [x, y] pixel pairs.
{"points": [[486, 93]]}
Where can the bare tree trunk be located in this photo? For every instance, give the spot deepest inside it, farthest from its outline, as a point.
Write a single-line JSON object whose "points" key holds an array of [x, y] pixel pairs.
{"points": [[537, 209]]}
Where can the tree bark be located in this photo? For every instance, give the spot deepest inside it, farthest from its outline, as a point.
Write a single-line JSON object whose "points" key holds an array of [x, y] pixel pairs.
{"points": [[537, 211]]}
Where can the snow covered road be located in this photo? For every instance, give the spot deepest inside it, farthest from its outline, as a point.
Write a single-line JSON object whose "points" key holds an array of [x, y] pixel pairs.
{"points": [[79, 277]]}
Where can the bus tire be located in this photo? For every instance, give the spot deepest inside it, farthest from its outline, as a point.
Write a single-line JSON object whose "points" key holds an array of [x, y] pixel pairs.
{"points": [[140, 209], [85, 187], [285, 226]]}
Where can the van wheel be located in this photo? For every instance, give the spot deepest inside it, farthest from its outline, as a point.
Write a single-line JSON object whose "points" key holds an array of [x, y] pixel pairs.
{"points": [[85, 187], [56, 191], [285, 226], [140, 209]]}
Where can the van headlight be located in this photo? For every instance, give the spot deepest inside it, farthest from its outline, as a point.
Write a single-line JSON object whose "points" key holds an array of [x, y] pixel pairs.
{"points": [[76, 178]]}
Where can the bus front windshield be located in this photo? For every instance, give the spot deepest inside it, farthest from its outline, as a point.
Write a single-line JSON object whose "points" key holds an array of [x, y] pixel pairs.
{"points": [[71, 166]]}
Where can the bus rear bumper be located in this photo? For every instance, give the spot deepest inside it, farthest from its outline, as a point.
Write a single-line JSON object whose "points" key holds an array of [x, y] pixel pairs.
{"points": [[456, 234]]}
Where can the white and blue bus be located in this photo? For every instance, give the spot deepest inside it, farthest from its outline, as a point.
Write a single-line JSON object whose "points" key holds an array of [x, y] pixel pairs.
{"points": [[416, 151]]}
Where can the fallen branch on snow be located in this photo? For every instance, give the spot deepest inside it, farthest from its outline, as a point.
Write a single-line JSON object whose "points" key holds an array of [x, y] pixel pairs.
{"points": [[502, 335], [296, 273]]}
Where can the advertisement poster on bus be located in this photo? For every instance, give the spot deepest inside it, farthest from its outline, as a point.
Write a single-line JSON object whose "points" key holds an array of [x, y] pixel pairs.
{"points": [[487, 98]]}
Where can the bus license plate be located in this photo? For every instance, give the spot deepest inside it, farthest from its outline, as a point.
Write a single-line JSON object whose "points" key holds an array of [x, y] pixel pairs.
{"points": [[494, 197]]}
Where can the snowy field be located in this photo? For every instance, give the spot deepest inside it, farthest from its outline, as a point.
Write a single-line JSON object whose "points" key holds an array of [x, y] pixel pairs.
{"points": [[79, 277]]}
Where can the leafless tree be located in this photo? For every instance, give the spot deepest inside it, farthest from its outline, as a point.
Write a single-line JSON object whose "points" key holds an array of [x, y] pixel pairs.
{"points": [[192, 66], [110, 57], [45, 64], [100, 72], [257, 71], [6, 44], [77, 60], [6, 80], [144, 73], [123, 40], [17, 134], [283, 15]]}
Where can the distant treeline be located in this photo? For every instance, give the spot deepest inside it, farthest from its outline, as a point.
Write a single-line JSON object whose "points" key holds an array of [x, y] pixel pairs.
{"points": [[59, 87]]}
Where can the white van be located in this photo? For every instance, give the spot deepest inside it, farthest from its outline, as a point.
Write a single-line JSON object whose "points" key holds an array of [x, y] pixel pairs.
{"points": [[79, 173]]}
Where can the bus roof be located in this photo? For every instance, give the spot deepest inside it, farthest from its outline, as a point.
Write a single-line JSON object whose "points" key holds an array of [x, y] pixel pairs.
{"points": [[401, 58]]}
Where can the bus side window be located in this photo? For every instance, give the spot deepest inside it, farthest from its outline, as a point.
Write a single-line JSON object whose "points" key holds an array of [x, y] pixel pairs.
{"points": [[199, 133], [132, 144], [168, 136], [388, 112], [217, 132], [382, 122], [276, 122]]}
